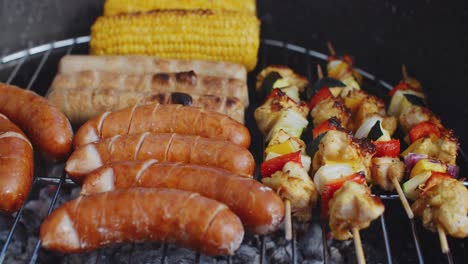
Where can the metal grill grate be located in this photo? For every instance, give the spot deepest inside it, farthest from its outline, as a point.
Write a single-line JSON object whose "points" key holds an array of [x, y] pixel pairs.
{"points": [[271, 52]]}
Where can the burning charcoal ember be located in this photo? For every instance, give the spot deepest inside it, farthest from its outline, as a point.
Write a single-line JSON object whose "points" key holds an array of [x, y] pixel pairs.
{"points": [[180, 255], [247, 254], [335, 255]]}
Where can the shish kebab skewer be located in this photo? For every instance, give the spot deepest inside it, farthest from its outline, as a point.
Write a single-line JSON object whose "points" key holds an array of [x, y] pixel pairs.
{"points": [[441, 201], [281, 119], [369, 115], [340, 163]]}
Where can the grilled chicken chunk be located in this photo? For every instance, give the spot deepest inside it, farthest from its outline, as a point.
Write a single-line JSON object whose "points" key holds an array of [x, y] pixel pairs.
{"points": [[352, 207], [384, 169], [267, 114], [340, 147], [288, 77], [416, 114], [444, 148], [294, 184], [445, 204], [328, 108]]}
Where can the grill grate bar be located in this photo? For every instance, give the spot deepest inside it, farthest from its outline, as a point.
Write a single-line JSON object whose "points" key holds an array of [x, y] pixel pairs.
{"points": [[386, 240], [49, 211], [39, 68], [262, 250], [164, 253], [16, 69], [416, 242], [324, 242]]}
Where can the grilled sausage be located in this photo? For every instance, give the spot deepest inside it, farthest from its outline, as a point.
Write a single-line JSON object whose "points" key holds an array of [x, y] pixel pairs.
{"points": [[143, 214], [16, 166], [80, 105], [147, 64], [47, 128], [261, 211], [163, 119], [163, 147], [185, 82]]}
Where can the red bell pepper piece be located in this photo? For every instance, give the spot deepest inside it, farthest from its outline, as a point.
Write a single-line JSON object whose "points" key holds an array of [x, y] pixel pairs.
{"points": [[435, 179], [330, 189], [327, 125], [423, 129], [390, 148], [275, 164], [348, 59], [321, 95], [400, 86]]}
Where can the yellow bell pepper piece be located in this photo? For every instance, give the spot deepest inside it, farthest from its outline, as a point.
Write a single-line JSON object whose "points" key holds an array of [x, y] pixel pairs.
{"points": [[282, 148], [425, 165]]}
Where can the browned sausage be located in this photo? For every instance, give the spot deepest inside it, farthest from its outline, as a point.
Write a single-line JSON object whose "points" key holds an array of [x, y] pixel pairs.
{"points": [[142, 214], [157, 118], [48, 128], [16, 166], [146, 64], [185, 82], [162, 147], [80, 105], [260, 211]]}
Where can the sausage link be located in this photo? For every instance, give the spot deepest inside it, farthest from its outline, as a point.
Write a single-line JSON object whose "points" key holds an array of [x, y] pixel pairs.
{"points": [[146, 64], [162, 147], [261, 211], [163, 119], [16, 166], [184, 82], [47, 128], [142, 214]]}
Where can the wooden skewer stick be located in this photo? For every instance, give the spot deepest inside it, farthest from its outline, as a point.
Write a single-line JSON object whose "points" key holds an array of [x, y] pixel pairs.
{"points": [[287, 220], [443, 240], [403, 199], [331, 49], [319, 72], [358, 246], [404, 72]]}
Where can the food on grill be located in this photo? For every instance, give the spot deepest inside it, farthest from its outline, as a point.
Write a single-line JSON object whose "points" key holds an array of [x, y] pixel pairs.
{"points": [[157, 118], [162, 147], [341, 68], [137, 64], [281, 111], [161, 215], [330, 107], [185, 82], [16, 166], [180, 34], [441, 201], [82, 105], [352, 207], [282, 120], [114, 7], [444, 204], [261, 211], [47, 128], [282, 77]]}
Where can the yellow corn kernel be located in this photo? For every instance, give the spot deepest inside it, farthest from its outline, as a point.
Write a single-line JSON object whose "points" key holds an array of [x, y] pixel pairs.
{"points": [[114, 7], [180, 34]]}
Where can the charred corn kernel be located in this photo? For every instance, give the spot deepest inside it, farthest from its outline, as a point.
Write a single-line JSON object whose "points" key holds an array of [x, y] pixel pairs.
{"points": [[113, 7], [180, 34], [425, 165], [282, 148]]}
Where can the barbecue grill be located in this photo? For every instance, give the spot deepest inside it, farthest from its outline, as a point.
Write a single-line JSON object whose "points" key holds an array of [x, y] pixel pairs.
{"points": [[390, 239]]}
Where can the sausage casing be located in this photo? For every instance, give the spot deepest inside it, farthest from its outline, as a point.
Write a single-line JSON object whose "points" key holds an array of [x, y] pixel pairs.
{"points": [[16, 166], [47, 127], [261, 211], [142, 214], [162, 147], [146, 64], [80, 105], [157, 118]]}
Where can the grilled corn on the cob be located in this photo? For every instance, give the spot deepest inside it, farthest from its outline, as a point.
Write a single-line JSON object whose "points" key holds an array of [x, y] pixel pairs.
{"points": [[181, 34], [113, 7]]}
